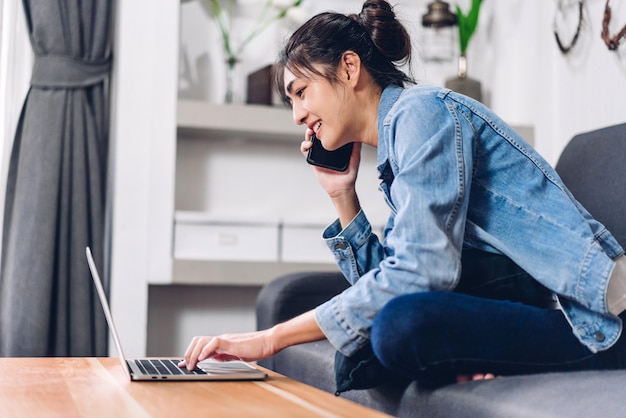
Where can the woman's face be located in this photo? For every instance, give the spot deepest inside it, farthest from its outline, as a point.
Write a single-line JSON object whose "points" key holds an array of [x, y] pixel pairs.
{"points": [[321, 106]]}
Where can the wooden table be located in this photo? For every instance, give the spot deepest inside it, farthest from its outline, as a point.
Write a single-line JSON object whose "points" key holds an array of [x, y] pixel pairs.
{"points": [[98, 387]]}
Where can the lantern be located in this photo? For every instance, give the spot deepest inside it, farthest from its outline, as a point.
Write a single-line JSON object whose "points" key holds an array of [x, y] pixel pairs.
{"points": [[439, 34]]}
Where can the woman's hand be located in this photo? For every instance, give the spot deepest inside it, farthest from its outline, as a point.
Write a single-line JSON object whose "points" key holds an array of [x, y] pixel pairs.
{"points": [[335, 183], [339, 185], [250, 346]]}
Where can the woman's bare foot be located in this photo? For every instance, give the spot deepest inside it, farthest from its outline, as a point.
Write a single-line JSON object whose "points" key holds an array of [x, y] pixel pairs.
{"points": [[477, 376]]}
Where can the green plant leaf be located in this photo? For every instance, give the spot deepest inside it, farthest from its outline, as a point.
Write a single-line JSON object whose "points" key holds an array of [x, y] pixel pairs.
{"points": [[467, 24], [263, 21]]}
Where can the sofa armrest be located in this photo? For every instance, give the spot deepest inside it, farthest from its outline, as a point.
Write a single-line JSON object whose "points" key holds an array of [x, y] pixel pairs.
{"points": [[293, 294]]}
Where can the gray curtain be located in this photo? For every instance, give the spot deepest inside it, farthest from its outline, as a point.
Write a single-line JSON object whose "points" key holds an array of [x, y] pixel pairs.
{"points": [[55, 198]]}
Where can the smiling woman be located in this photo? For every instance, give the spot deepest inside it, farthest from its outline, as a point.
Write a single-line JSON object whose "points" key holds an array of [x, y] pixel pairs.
{"points": [[444, 294]]}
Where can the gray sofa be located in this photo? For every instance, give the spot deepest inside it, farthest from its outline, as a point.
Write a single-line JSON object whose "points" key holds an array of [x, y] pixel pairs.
{"points": [[593, 165]]}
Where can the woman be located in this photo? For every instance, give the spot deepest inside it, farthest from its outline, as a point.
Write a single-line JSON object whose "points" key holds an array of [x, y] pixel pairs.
{"points": [[488, 264]]}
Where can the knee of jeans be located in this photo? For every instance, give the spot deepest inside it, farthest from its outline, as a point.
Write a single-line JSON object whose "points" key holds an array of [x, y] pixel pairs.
{"points": [[393, 332], [401, 327], [380, 341]]}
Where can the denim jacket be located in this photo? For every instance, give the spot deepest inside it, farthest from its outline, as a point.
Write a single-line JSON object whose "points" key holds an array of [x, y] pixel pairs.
{"points": [[456, 176]]}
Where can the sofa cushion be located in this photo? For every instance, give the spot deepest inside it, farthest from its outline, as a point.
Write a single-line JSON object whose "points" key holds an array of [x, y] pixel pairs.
{"points": [[573, 394], [593, 166]]}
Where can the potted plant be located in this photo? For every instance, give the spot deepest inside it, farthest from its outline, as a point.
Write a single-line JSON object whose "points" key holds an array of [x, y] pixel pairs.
{"points": [[467, 24], [222, 10]]}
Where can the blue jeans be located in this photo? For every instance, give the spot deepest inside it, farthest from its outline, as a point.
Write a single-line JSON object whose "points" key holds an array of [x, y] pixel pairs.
{"points": [[502, 323]]}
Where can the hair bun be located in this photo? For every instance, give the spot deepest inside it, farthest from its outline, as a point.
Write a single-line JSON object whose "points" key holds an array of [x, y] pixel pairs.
{"points": [[387, 33], [375, 35]]}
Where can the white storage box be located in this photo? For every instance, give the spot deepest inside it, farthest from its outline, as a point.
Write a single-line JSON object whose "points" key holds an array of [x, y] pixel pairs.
{"points": [[201, 236], [304, 244]]}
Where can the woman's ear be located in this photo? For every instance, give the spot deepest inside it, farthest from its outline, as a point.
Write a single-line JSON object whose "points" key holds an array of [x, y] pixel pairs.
{"points": [[350, 68]]}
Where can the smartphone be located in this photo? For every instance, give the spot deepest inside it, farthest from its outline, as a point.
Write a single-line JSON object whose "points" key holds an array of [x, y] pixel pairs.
{"points": [[337, 160]]}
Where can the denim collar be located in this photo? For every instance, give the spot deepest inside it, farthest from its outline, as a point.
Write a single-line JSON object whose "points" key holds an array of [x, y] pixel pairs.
{"points": [[387, 100]]}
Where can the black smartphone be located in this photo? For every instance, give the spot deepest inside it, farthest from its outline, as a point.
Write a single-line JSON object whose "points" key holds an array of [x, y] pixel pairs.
{"points": [[337, 160]]}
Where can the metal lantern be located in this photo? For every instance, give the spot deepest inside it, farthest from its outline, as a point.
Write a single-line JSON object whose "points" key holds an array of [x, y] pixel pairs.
{"points": [[439, 34]]}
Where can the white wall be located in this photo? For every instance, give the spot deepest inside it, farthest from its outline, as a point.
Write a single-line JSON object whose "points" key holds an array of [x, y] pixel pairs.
{"points": [[531, 82]]}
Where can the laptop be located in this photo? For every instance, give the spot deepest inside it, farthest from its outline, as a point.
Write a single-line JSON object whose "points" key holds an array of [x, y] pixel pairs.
{"points": [[152, 369]]}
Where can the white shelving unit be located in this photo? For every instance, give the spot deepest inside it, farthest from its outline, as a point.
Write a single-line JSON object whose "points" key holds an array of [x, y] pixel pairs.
{"points": [[230, 248], [252, 121]]}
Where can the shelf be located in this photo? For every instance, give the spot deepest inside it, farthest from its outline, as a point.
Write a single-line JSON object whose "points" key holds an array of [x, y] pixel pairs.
{"points": [[254, 122], [197, 118], [233, 273]]}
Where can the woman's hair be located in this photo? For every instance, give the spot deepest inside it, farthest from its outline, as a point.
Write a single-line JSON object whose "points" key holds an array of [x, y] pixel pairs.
{"points": [[375, 34]]}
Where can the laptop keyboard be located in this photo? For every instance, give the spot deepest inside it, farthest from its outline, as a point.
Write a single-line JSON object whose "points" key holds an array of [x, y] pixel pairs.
{"points": [[164, 367]]}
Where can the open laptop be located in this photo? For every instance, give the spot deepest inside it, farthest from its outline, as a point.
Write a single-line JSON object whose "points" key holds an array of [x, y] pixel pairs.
{"points": [[151, 369]]}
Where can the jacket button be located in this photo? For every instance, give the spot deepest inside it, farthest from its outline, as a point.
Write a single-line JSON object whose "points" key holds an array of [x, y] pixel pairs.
{"points": [[340, 246], [599, 336]]}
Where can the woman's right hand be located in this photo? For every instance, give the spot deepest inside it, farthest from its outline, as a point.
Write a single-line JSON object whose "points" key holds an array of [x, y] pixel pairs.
{"points": [[256, 345], [249, 346], [339, 185]]}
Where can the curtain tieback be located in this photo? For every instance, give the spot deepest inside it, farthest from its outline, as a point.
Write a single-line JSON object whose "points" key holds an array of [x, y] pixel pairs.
{"points": [[60, 71]]}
